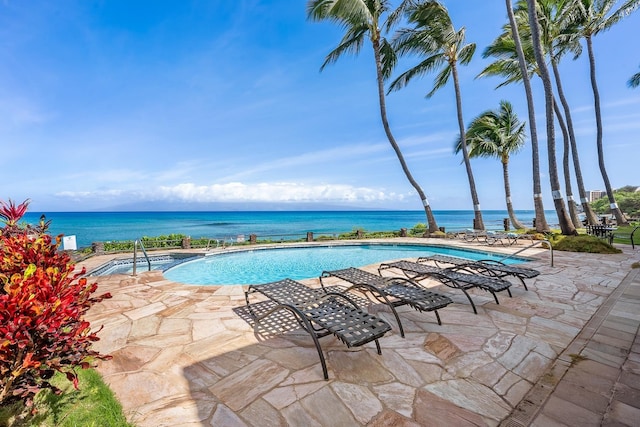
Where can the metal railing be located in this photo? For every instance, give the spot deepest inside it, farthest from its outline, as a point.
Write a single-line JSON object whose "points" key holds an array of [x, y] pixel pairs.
{"points": [[135, 255]]}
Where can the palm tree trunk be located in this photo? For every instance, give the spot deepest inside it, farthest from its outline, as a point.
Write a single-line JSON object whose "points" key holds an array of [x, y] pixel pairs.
{"points": [[615, 210], [433, 226], [586, 207], [507, 193], [540, 218], [566, 226], [478, 223], [573, 212]]}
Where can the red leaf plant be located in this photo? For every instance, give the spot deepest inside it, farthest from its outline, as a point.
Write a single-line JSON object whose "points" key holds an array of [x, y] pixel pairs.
{"points": [[42, 308]]}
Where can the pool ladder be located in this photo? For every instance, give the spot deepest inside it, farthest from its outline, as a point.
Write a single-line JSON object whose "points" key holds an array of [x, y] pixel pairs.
{"points": [[135, 255]]}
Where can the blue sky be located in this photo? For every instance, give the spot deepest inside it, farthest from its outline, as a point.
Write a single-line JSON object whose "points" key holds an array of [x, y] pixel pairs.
{"points": [[109, 105]]}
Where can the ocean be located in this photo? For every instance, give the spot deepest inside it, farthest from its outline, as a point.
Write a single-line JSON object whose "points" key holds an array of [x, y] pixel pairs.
{"points": [[89, 227]]}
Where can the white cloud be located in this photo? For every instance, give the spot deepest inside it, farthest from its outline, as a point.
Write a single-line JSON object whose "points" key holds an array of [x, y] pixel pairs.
{"points": [[245, 192]]}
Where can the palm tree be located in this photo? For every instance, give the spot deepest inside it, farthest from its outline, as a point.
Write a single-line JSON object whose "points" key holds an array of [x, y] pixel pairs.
{"points": [[541, 221], [596, 17], [573, 210], [558, 22], [503, 47], [497, 134], [362, 18], [634, 81], [566, 226], [434, 36]]}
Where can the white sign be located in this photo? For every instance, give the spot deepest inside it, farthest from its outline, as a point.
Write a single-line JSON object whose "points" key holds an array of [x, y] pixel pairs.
{"points": [[69, 243]]}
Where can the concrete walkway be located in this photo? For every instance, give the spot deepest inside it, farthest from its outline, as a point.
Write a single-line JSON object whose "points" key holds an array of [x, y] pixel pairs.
{"points": [[596, 380], [188, 355]]}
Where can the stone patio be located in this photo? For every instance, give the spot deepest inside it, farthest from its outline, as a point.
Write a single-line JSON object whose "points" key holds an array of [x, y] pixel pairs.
{"points": [[187, 356]]}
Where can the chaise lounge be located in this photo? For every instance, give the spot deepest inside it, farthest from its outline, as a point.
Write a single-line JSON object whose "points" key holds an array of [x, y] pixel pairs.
{"points": [[505, 239], [392, 291], [457, 277], [472, 235], [486, 266], [319, 313]]}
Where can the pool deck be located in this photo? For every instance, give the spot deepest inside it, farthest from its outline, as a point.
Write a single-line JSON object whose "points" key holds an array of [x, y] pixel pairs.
{"points": [[566, 352]]}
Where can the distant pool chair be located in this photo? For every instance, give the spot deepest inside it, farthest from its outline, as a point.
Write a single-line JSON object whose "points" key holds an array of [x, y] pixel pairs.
{"points": [[505, 239], [486, 266], [472, 235], [456, 277]]}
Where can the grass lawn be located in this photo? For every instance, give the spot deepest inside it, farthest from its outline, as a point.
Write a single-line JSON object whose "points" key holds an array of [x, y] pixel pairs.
{"points": [[94, 405], [626, 231]]}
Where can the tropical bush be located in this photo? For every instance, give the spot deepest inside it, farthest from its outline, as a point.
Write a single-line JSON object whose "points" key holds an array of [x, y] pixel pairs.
{"points": [[582, 243], [627, 198], [42, 308], [418, 230]]}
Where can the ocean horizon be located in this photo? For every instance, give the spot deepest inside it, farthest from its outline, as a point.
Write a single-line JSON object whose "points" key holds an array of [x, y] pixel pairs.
{"points": [[90, 227]]}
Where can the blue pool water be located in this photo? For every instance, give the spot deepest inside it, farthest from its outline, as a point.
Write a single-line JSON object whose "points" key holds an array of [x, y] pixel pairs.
{"points": [[268, 265]]}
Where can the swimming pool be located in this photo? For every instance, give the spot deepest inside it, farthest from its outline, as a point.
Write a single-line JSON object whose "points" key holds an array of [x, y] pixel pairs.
{"points": [[271, 264]]}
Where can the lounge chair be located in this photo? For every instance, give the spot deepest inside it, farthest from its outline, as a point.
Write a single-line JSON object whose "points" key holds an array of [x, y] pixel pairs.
{"points": [[505, 239], [392, 291], [457, 277], [320, 313], [486, 266], [472, 235]]}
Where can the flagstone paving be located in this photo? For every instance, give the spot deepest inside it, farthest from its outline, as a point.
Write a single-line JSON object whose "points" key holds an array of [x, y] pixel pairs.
{"points": [[188, 355]]}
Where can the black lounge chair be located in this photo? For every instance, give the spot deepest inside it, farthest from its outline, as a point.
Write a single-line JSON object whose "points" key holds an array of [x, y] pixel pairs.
{"points": [[486, 266], [392, 291], [320, 313], [457, 277]]}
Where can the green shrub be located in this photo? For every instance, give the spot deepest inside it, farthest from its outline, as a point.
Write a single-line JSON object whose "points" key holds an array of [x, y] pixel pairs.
{"points": [[418, 229], [582, 243]]}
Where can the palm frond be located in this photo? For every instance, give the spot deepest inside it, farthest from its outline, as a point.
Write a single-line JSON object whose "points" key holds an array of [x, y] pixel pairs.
{"points": [[394, 17], [424, 67], [623, 11], [345, 12], [507, 68], [414, 41], [466, 53], [634, 81], [351, 43], [441, 80], [388, 58]]}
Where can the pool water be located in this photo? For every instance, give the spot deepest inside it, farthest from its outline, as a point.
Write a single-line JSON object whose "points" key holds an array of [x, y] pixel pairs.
{"points": [[269, 265]]}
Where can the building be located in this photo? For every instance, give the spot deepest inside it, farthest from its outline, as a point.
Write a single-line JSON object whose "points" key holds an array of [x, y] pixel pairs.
{"points": [[595, 195]]}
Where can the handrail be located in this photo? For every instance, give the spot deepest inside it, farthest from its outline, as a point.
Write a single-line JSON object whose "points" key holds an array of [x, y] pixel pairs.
{"points": [[535, 243], [135, 255]]}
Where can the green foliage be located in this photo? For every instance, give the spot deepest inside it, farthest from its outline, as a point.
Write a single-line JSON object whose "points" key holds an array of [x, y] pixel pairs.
{"points": [[42, 307], [582, 243], [623, 235], [418, 229], [360, 233], [93, 404], [628, 202], [150, 243]]}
